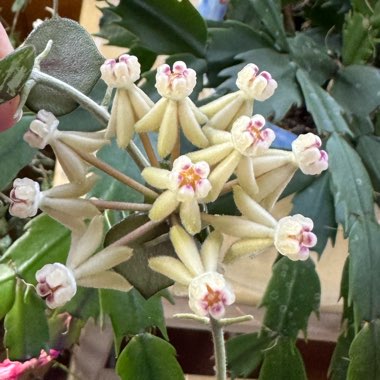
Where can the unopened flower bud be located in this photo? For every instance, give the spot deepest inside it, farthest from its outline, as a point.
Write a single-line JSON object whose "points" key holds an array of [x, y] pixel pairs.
{"points": [[259, 86], [175, 84], [25, 197], [310, 159], [56, 284], [293, 237], [209, 294]]}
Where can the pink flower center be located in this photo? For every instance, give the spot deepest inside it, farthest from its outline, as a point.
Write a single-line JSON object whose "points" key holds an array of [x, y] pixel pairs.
{"points": [[213, 297], [189, 177], [254, 128]]}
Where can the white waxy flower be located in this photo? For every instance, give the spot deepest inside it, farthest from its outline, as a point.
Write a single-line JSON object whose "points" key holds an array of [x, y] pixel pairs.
{"points": [[43, 130], [186, 185], [56, 284], [310, 159], [208, 291], [293, 237], [25, 197], [130, 103], [252, 86], [258, 86], [174, 110]]}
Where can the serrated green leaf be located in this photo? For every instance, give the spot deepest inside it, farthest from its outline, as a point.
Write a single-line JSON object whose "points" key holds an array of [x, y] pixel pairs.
{"points": [[84, 305], [312, 58], [369, 149], [15, 153], [365, 353], [283, 362], [327, 113], [131, 313], [26, 328], [45, 241], [245, 352], [167, 27], [292, 294], [7, 289], [356, 88], [73, 58], [316, 202], [350, 183], [147, 357], [364, 280], [15, 70], [340, 360]]}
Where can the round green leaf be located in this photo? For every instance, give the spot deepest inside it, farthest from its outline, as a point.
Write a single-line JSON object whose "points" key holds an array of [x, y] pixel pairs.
{"points": [[15, 69], [73, 58]]}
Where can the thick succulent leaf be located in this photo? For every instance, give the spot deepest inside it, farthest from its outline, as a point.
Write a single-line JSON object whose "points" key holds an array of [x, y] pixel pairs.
{"points": [[283, 362], [45, 241], [312, 58], [365, 353], [7, 288], [131, 313], [356, 88], [84, 305], [148, 357], [327, 113], [167, 27], [350, 183], [246, 352], [364, 269], [293, 293], [26, 328], [369, 150], [15, 70], [243, 11], [15, 153], [73, 58], [136, 269], [316, 202]]}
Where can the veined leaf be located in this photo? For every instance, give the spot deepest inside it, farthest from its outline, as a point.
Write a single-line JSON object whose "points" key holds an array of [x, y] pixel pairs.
{"points": [[15, 70], [26, 328], [293, 293], [350, 183], [327, 113], [147, 357]]}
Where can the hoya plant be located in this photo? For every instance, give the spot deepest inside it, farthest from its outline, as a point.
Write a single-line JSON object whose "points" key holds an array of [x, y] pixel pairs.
{"points": [[173, 171]]}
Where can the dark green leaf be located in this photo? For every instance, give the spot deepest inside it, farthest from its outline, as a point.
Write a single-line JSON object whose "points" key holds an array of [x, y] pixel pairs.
{"points": [[245, 352], [15, 70], [299, 182], [348, 309], [84, 305], [350, 183], [283, 362], [293, 293], [365, 354], [369, 149], [243, 11], [45, 241], [147, 357], [364, 279], [167, 27], [26, 328], [316, 202], [327, 113], [15, 153], [356, 88], [7, 289], [73, 58], [131, 313]]}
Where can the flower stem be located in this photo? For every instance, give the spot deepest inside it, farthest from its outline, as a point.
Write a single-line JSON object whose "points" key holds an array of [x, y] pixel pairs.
{"points": [[228, 186], [144, 137], [121, 177], [219, 349], [124, 206]]}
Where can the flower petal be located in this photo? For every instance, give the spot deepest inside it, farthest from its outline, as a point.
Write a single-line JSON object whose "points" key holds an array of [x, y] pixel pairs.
{"points": [[168, 133], [190, 216], [245, 247], [106, 280], [163, 206], [211, 251]]}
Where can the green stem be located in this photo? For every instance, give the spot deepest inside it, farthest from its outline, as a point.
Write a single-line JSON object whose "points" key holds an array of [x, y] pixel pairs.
{"points": [[219, 349]]}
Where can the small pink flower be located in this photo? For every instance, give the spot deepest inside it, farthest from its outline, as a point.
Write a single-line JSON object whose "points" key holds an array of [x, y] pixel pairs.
{"points": [[293, 237], [175, 84], [25, 197]]}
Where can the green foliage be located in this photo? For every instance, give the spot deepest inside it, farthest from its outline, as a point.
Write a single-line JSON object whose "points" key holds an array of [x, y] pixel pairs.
{"points": [[73, 58], [84, 305], [15, 153], [293, 293], [26, 328], [147, 357], [7, 288], [283, 362]]}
